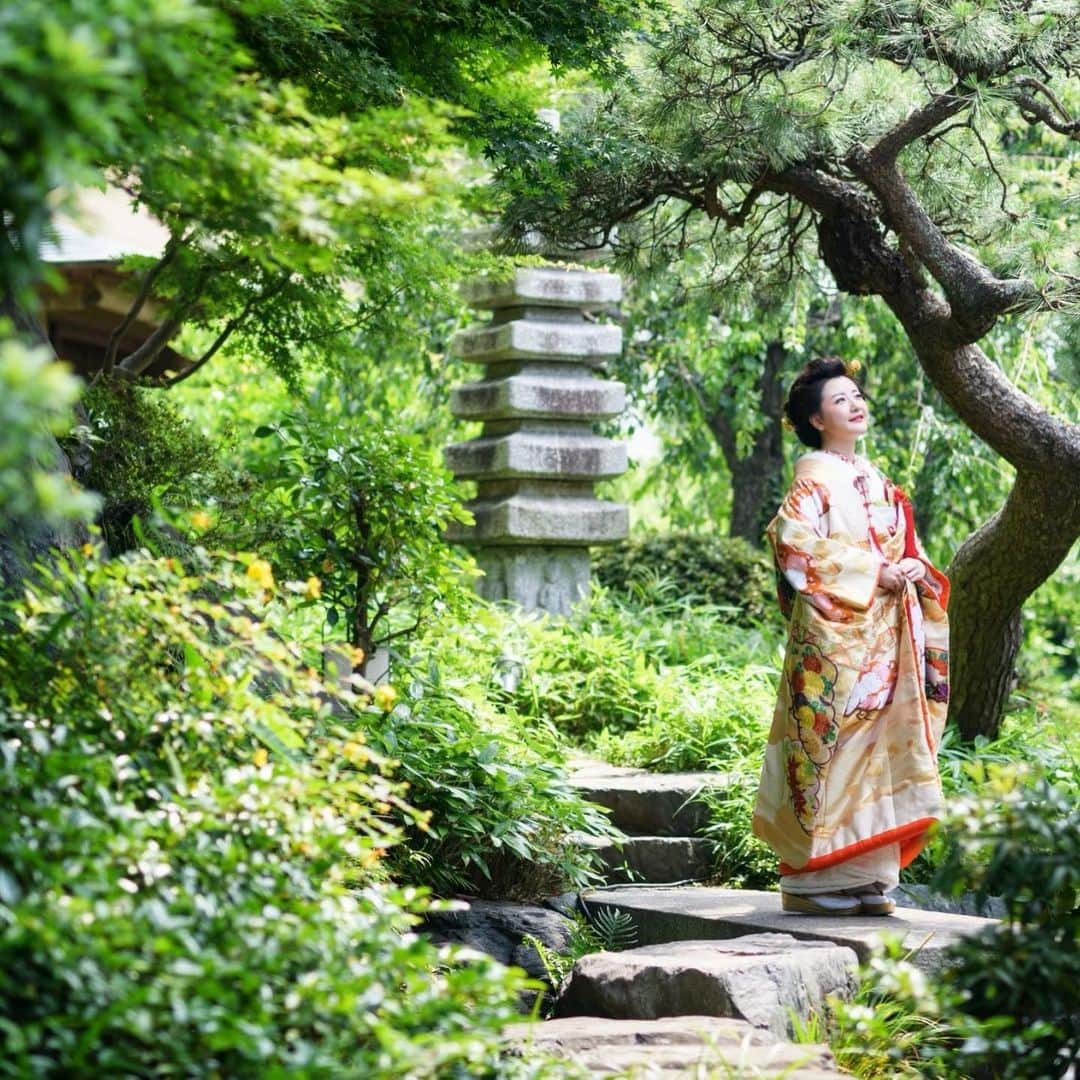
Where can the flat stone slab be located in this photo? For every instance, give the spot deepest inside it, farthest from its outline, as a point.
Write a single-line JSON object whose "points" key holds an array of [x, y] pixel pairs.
{"points": [[538, 392], [545, 286], [523, 518], [697, 913], [536, 452], [764, 979], [654, 804], [534, 339], [673, 1046]]}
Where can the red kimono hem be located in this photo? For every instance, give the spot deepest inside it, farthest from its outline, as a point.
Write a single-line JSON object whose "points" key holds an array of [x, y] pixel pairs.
{"points": [[912, 838]]}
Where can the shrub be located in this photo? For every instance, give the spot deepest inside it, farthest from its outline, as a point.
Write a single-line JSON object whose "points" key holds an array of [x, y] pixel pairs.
{"points": [[1020, 978], [142, 450], [712, 569], [586, 676], [501, 809], [191, 879], [347, 501], [714, 720], [1004, 1004]]}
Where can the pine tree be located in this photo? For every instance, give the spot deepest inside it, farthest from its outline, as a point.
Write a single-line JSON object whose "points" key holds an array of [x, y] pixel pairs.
{"points": [[924, 152]]}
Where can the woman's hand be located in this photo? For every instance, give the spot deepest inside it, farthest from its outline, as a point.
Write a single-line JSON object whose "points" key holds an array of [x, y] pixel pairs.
{"points": [[913, 569], [892, 578]]}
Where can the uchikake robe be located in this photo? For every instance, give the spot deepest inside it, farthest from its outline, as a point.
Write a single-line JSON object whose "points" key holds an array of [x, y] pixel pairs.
{"points": [[851, 761]]}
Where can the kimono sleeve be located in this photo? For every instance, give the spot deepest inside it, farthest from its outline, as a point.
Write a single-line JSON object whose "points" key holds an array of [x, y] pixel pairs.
{"points": [[935, 584], [836, 577]]}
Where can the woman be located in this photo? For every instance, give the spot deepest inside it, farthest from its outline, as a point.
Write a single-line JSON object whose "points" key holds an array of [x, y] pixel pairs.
{"points": [[850, 782]]}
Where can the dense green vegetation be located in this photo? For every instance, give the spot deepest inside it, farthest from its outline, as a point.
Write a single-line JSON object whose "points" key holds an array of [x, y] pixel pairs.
{"points": [[218, 837]]}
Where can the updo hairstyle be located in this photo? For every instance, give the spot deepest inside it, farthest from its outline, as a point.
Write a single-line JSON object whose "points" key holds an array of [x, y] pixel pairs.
{"points": [[804, 397]]}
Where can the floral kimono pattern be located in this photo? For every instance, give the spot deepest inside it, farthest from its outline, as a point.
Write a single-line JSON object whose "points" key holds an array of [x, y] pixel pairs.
{"points": [[851, 762]]}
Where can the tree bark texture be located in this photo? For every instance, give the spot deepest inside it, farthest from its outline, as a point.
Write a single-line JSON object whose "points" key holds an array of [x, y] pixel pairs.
{"points": [[995, 570]]}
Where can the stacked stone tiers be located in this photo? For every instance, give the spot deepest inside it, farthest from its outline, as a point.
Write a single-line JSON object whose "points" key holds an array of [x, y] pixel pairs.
{"points": [[537, 457]]}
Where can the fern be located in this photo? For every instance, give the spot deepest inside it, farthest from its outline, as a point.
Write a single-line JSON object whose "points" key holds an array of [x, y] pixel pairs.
{"points": [[615, 929]]}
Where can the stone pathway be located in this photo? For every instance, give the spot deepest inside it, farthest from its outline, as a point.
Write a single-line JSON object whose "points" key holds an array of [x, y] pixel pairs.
{"points": [[664, 915], [683, 1046], [659, 817], [718, 975], [764, 979]]}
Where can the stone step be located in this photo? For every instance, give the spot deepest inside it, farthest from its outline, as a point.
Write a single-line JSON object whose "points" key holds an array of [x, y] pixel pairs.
{"points": [[663, 915], [658, 860], [689, 1046], [653, 804], [764, 979]]}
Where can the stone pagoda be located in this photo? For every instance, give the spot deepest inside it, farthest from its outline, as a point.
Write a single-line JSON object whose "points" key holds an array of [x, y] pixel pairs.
{"points": [[537, 457]]}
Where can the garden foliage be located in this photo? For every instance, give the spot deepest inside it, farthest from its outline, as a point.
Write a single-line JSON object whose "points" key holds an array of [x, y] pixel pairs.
{"points": [[341, 497], [192, 848], [138, 450], [194, 835], [494, 784], [703, 568], [36, 397], [1004, 1005]]}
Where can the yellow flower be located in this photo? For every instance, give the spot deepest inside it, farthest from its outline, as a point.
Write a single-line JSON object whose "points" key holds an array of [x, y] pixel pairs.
{"points": [[385, 696], [354, 752], [812, 686], [370, 858], [87, 550], [313, 588], [260, 757], [358, 655], [805, 715], [853, 367], [261, 573], [201, 519]]}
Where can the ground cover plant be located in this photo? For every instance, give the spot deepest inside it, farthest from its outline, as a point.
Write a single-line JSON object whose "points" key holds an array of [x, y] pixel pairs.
{"points": [[193, 843], [500, 811], [1004, 1004], [192, 851]]}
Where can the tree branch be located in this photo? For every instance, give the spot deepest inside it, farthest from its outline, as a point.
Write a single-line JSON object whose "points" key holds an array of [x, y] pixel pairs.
{"points": [[404, 630], [135, 363], [113, 346], [732, 219], [1063, 123], [917, 124], [226, 332], [976, 297]]}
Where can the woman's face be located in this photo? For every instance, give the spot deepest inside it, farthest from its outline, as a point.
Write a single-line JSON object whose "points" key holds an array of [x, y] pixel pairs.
{"points": [[843, 410]]}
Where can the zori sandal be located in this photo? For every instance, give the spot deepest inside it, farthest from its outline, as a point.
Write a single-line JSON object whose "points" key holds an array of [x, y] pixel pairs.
{"points": [[820, 904], [874, 902]]}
